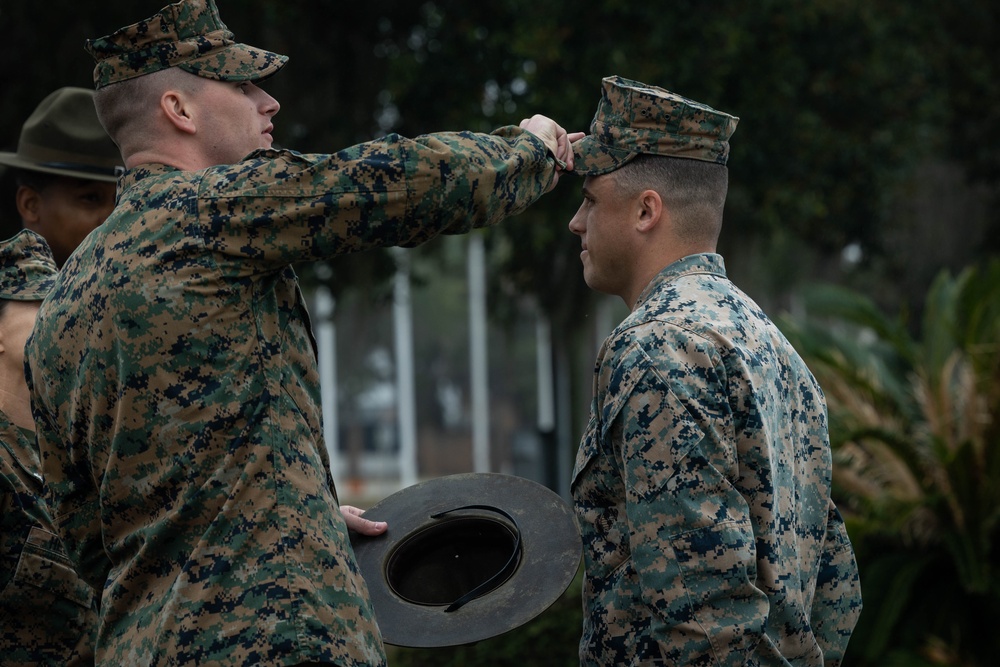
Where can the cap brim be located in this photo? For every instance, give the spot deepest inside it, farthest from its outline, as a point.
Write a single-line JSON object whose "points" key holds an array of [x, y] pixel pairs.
{"points": [[236, 62], [34, 290], [550, 551], [592, 158], [84, 172]]}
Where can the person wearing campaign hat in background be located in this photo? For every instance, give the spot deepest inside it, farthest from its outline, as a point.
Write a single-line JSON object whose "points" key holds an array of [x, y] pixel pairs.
{"points": [[173, 370], [702, 482], [47, 612], [64, 171]]}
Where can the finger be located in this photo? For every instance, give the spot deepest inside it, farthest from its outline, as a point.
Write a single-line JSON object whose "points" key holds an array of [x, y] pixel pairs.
{"points": [[366, 527], [565, 152], [573, 137], [354, 520]]}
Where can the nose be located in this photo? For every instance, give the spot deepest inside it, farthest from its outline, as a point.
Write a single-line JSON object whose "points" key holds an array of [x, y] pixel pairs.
{"points": [[267, 105], [270, 105], [576, 223]]}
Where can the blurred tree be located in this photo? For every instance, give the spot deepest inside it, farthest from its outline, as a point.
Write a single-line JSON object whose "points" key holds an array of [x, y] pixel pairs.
{"points": [[838, 100], [915, 424], [835, 98]]}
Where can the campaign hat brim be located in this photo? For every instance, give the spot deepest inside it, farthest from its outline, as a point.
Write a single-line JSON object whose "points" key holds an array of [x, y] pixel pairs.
{"points": [[448, 522]]}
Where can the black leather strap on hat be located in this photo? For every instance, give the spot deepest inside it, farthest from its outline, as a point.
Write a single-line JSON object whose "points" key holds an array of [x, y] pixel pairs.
{"points": [[85, 168], [504, 572]]}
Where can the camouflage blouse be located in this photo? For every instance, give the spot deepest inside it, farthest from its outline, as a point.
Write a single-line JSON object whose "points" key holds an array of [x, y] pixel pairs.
{"points": [[176, 389], [48, 615], [702, 486]]}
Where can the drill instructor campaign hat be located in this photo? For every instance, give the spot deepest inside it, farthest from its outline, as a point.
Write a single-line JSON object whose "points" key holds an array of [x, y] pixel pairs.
{"points": [[27, 270], [62, 136], [634, 118], [466, 557], [188, 34]]}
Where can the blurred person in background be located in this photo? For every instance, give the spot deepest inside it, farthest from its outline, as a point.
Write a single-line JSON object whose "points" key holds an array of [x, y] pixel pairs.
{"points": [[47, 613], [63, 172]]}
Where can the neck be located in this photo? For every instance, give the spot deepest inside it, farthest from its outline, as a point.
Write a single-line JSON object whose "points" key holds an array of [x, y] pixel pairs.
{"points": [[184, 163], [16, 406], [648, 270]]}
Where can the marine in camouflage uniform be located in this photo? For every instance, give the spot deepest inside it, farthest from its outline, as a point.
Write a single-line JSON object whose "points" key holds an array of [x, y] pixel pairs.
{"points": [[175, 357], [48, 615], [702, 483]]}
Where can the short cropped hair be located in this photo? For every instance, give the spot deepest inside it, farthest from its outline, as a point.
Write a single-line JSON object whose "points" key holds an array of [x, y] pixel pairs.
{"points": [[694, 191], [124, 108]]}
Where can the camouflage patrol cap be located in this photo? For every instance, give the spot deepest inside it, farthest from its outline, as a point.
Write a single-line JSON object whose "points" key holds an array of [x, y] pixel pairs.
{"points": [[187, 34], [27, 270], [634, 118]]}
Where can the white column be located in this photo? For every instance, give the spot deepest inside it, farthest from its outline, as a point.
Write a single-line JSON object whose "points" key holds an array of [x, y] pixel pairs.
{"points": [[403, 330], [543, 373], [479, 363], [326, 341], [565, 445]]}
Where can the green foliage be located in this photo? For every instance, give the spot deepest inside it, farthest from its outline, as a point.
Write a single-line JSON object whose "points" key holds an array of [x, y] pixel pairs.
{"points": [[550, 640], [838, 98], [914, 424]]}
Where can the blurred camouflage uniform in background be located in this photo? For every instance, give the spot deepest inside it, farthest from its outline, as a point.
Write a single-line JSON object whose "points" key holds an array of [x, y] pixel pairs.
{"points": [[48, 615], [176, 358], [702, 483]]}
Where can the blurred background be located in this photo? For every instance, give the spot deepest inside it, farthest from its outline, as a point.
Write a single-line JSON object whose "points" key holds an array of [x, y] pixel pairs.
{"points": [[862, 215]]}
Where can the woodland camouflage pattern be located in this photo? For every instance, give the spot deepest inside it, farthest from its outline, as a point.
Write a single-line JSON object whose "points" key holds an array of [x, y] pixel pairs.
{"points": [[702, 486], [634, 118], [48, 615], [177, 395], [187, 34]]}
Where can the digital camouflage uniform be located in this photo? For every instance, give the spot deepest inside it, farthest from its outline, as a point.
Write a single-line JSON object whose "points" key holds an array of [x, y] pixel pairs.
{"points": [[47, 613], [702, 483], [177, 394]]}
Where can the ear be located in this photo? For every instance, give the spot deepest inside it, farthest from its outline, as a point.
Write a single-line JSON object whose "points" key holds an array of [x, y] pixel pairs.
{"points": [[178, 107], [28, 205], [649, 209]]}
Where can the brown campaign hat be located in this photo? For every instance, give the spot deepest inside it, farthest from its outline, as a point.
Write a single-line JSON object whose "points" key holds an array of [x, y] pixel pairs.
{"points": [[27, 270], [634, 118], [63, 136], [187, 34], [466, 557]]}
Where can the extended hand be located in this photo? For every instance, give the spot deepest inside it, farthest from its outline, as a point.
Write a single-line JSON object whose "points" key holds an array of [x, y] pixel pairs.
{"points": [[558, 141]]}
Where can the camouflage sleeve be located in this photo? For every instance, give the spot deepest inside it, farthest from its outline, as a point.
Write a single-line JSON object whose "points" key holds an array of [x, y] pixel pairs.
{"points": [[691, 537], [281, 207], [70, 493], [837, 601]]}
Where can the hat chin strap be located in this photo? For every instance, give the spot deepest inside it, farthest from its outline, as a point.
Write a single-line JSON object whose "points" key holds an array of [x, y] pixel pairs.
{"points": [[505, 571]]}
